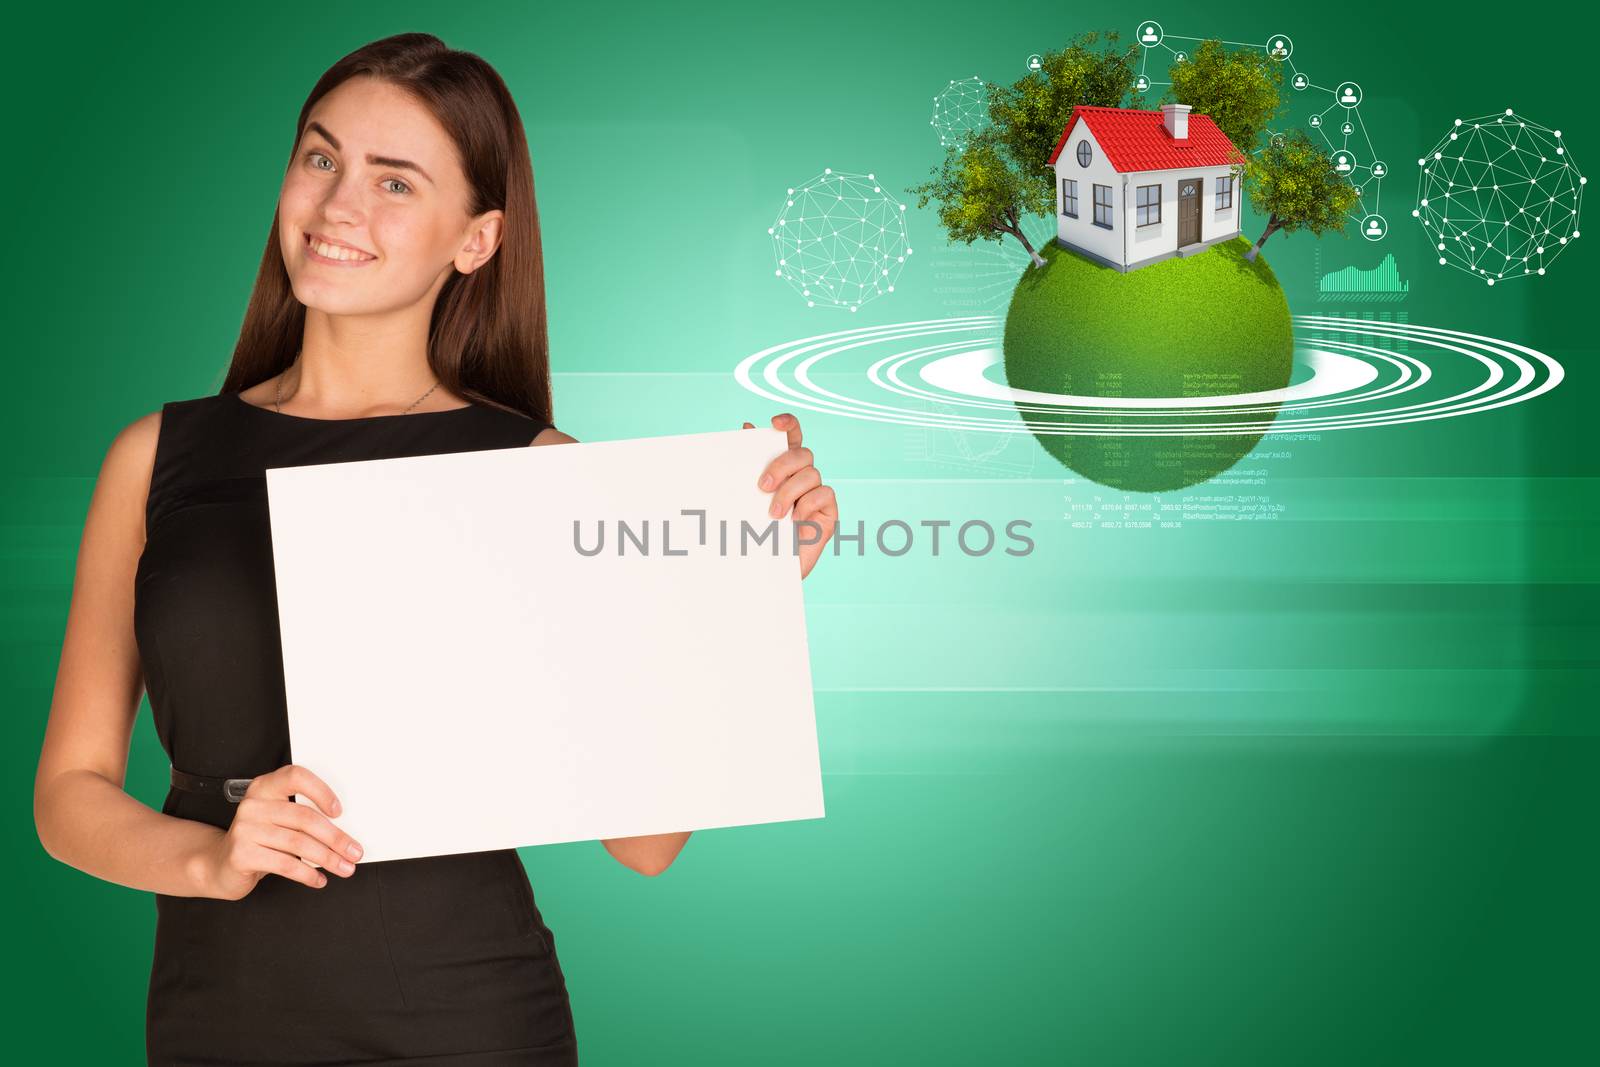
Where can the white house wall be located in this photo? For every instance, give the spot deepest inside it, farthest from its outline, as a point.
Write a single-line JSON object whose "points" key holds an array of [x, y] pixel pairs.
{"points": [[1223, 222], [1145, 242], [1128, 243], [1161, 238], [1081, 232]]}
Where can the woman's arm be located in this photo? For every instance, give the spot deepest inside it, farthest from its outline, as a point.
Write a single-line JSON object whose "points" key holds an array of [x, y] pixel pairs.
{"points": [[83, 816], [650, 854]]}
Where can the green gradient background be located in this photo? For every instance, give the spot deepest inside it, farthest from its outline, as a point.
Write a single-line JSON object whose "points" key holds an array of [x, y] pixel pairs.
{"points": [[1315, 791]]}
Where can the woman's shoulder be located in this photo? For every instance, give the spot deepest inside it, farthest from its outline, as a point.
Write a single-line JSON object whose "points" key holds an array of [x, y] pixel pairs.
{"points": [[540, 431], [141, 456], [552, 436], [135, 442], [134, 445], [194, 403], [123, 485]]}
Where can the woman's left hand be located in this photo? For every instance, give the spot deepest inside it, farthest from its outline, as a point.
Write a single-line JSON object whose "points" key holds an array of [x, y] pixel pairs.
{"points": [[794, 482]]}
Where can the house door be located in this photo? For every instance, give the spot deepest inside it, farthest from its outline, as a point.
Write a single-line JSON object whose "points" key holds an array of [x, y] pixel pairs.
{"points": [[1189, 211]]}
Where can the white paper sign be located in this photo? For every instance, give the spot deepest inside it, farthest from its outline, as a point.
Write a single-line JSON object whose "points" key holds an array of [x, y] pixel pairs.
{"points": [[465, 678]]}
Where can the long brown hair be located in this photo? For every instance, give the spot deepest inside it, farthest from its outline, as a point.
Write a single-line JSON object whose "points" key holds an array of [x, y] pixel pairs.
{"points": [[488, 339]]}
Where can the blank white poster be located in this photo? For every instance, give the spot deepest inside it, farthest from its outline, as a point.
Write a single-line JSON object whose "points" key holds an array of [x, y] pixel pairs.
{"points": [[468, 673]]}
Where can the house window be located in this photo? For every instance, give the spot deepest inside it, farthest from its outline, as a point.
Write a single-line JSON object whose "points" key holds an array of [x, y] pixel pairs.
{"points": [[1224, 192], [1149, 209], [1085, 153], [1069, 198], [1102, 206]]}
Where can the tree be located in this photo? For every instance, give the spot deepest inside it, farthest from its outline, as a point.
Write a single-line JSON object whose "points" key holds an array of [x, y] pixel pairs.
{"points": [[1239, 90], [1002, 172], [1031, 113], [980, 193], [1293, 183]]}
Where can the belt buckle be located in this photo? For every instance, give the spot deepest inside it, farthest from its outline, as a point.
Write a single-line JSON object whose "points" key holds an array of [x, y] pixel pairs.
{"points": [[233, 789]]}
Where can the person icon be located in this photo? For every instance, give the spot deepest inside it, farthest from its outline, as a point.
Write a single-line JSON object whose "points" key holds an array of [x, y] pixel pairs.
{"points": [[1374, 229], [1379, 170], [1316, 120], [1179, 57], [1341, 163], [1034, 63], [1149, 36], [1348, 96], [1347, 129], [1278, 49], [1142, 84], [1300, 81]]}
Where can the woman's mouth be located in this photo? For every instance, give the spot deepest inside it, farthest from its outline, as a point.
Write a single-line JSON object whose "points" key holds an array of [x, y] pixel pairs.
{"points": [[323, 251]]}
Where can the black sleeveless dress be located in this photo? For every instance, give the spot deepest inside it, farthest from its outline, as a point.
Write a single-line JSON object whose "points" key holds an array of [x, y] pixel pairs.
{"points": [[434, 960]]}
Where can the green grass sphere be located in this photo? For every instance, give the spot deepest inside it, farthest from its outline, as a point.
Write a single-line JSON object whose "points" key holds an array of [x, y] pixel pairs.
{"points": [[1208, 324]]}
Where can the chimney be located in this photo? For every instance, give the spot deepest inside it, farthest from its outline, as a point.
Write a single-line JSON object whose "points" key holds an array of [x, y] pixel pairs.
{"points": [[1175, 117]]}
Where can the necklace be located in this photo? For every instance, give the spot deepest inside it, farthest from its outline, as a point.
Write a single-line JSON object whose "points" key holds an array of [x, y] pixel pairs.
{"points": [[277, 396]]}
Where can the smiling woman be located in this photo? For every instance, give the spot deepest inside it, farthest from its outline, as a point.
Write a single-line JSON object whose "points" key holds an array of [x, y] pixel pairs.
{"points": [[398, 311], [384, 222]]}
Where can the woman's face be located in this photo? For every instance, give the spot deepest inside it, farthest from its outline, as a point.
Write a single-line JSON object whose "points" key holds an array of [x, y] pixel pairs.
{"points": [[377, 177]]}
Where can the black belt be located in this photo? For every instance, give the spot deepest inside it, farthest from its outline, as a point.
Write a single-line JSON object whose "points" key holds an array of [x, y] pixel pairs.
{"points": [[231, 789]]}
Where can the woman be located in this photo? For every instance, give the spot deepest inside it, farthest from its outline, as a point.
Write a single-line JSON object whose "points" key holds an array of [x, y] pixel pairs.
{"points": [[399, 310]]}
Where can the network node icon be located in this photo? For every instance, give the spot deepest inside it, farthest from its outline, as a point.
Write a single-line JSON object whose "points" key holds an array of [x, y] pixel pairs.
{"points": [[1499, 196], [959, 109], [1332, 116], [840, 240], [1374, 227]]}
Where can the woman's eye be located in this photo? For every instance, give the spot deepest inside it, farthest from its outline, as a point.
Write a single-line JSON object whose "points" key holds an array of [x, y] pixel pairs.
{"points": [[313, 155]]}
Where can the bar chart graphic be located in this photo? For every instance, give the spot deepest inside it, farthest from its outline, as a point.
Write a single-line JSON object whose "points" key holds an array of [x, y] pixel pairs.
{"points": [[1373, 285]]}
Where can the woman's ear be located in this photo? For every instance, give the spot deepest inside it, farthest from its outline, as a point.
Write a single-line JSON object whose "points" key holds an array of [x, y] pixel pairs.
{"points": [[482, 241]]}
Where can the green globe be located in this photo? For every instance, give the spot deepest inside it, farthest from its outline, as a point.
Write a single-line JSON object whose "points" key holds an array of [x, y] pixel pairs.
{"points": [[1208, 324]]}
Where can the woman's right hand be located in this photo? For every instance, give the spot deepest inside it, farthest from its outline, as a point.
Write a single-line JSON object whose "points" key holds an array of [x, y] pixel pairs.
{"points": [[273, 834]]}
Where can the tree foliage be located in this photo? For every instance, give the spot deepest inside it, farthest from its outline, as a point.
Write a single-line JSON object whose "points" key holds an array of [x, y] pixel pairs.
{"points": [[1293, 183], [980, 193], [1239, 90], [1031, 113], [1002, 173]]}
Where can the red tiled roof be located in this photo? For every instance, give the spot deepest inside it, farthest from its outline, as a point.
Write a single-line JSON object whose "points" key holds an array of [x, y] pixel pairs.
{"points": [[1134, 139]]}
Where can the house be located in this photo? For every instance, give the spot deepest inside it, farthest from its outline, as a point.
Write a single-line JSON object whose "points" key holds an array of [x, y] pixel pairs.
{"points": [[1134, 187]]}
